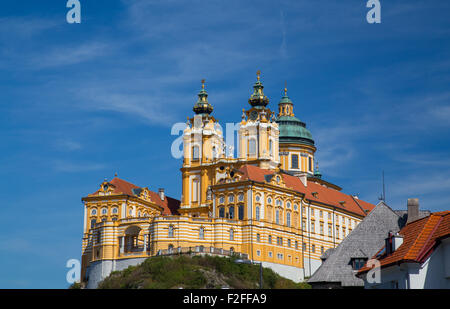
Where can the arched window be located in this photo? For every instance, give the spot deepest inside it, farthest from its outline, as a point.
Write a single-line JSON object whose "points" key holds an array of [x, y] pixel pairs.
{"points": [[271, 147], [241, 212], [170, 230], [222, 212], [214, 152], [277, 216], [201, 234], [195, 152], [252, 147], [257, 213], [231, 234], [288, 219], [222, 200], [240, 197], [231, 198]]}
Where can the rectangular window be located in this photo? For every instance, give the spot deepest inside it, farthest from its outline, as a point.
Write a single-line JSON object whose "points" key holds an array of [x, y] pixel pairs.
{"points": [[313, 227], [252, 147], [269, 240], [296, 244], [289, 243], [304, 247], [310, 164], [258, 237], [195, 190], [321, 228], [313, 248], [294, 161], [241, 212]]}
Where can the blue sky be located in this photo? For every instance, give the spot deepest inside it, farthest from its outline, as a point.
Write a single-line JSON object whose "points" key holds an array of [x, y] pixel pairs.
{"points": [[80, 102]]}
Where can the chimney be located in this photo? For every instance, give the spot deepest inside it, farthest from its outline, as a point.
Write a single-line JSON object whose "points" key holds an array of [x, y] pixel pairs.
{"points": [[393, 242], [413, 210], [397, 241], [161, 193]]}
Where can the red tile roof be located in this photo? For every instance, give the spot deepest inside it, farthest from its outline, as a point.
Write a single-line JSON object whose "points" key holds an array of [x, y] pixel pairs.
{"points": [[324, 194], [170, 205], [420, 238]]}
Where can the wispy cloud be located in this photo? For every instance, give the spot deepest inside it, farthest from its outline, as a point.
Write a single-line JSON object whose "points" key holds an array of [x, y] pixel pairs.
{"points": [[68, 55], [76, 167]]}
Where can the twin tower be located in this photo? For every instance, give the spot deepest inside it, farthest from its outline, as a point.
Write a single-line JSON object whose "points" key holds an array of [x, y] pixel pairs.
{"points": [[266, 140]]}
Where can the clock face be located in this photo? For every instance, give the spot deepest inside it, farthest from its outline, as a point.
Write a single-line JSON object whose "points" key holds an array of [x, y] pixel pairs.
{"points": [[253, 115]]}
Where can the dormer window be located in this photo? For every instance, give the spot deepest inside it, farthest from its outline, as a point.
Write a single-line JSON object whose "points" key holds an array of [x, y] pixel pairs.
{"points": [[358, 263], [315, 194]]}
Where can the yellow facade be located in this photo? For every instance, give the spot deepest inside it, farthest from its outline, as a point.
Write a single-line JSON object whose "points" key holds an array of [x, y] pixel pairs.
{"points": [[222, 208]]}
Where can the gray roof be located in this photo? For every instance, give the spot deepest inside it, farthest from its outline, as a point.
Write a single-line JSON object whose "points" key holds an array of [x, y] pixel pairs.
{"points": [[363, 242]]}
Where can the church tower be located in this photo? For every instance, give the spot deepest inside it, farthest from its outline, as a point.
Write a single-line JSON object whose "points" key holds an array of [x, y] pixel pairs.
{"points": [[258, 131], [202, 146], [296, 143]]}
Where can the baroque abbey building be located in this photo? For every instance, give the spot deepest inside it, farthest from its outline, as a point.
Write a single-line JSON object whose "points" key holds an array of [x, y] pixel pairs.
{"points": [[269, 204]]}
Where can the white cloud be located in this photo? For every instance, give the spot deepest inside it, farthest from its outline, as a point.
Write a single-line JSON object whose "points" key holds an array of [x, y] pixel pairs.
{"points": [[76, 167]]}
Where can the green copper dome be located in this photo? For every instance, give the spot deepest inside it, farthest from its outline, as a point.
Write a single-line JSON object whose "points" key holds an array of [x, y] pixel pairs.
{"points": [[292, 130]]}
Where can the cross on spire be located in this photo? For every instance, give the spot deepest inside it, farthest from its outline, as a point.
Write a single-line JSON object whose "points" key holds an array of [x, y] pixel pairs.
{"points": [[258, 73]]}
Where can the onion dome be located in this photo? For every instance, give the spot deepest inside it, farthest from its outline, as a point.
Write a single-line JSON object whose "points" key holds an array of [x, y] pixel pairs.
{"points": [[258, 99], [202, 106], [292, 130]]}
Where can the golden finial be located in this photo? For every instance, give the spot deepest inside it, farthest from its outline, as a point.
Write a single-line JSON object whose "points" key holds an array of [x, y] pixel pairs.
{"points": [[285, 88], [115, 174], [203, 83], [258, 73]]}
